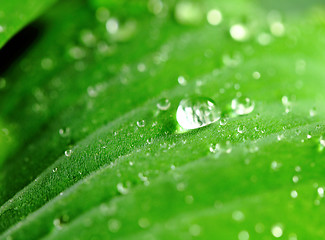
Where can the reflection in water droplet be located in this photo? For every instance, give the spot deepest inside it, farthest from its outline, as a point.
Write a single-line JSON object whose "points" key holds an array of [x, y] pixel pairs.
{"points": [[214, 17], [163, 104], [121, 189], [242, 105], [294, 194], [239, 32], [188, 13], [196, 112]]}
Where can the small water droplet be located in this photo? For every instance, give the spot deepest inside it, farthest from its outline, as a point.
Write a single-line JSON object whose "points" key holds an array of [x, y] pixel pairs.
{"points": [[64, 132], [114, 225], [195, 230], [188, 13], [294, 194], [197, 112], [144, 222], [68, 152], [181, 80], [264, 39], [55, 170], [238, 216], [241, 129], [121, 189], [163, 104], [242, 105], [112, 25], [47, 63], [295, 179], [214, 17], [141, 67], [277, 29], [256, 75], [275, 165], [243, 235], [141, 123], [277, 231], [312, 112], [223, 121], [239, 32]]}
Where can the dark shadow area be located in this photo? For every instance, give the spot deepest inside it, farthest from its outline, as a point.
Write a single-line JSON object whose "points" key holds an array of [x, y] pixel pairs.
{"points": [[17, 45]]}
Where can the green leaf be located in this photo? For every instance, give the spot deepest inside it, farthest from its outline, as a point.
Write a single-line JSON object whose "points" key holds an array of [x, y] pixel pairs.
{"points": [[16, 14], [92, 156]]}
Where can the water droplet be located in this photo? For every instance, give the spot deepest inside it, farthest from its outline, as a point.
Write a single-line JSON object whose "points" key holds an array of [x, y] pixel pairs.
{"points": [[196, 112], [242, 105], [188, 13], [141, 67], [214, 17], [256, 75], [141, 123], [294, 194], [47, 63], [55, 170], [239, 32], [102, 14], [241, 129], [88, 38], [277, 231], [114, 225], [275, 165], [312, 112], [243, 235], [144, 222], [112, 25], [264, 39], [3, 83], [64, 132], [163, 104], [77, 52], [295, 179], [238, 216], [150, 140], [286, 103], [121, 189], [277, 29], [2, 29], [195, 230], [68, 152], [320, 192], [181, 80], [223, 121], [155, 6]]}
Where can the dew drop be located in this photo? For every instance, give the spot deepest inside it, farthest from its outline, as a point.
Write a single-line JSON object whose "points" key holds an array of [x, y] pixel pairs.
{"points": [[242, 105], [114, 225], [144, 222], [223, 121], [68, 152], [243, 235], [256, 75], [214, 17], [277, 29], [320, 192], [294, 194], [197, 112], [163, 104], [181, 80], [64, 132], [238, 216], [312, 112], [2, 29], [277, 231], [188, 13], [141, 123], [121, 189], [112, 25], [195, 230], [239, 32]]}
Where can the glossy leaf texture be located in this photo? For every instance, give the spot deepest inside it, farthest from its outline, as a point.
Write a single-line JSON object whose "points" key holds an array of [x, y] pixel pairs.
{"points": [[93, 149]]}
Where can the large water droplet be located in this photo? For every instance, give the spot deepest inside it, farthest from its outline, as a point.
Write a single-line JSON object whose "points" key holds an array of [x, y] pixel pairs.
{"points": [[197, 112], [242, 105], [239, 32], [214, 17]]}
